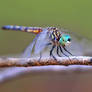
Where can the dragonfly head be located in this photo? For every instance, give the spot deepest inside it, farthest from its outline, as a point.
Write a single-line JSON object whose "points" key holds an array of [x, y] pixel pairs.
{"points": [[65, 40]]}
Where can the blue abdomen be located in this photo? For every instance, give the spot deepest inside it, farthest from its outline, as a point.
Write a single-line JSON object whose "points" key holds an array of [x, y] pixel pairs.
{"points": [[10, 27]]}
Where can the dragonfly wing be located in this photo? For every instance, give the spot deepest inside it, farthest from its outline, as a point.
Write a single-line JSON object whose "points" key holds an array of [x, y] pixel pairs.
{"points": [[75, 47], [84, 45], [41, 41], [79, 44], [27, 52]]}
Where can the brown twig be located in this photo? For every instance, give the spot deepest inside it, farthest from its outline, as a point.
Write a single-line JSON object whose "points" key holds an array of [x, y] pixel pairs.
{"points": [[28, 62], [19, 66]]}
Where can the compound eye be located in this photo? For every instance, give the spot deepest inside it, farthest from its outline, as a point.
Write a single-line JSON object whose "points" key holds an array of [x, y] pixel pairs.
{"points": [[69, 39]]}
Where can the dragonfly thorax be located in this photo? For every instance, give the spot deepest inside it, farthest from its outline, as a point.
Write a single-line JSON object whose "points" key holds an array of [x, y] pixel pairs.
{"points": [[55, 35]]}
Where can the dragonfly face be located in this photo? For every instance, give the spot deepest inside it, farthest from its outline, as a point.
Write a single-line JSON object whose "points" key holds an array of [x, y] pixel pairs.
{"points": [[65, 40]]}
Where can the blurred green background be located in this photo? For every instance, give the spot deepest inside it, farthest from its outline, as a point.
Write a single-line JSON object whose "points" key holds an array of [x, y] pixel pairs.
{"points": [[75, 15]]}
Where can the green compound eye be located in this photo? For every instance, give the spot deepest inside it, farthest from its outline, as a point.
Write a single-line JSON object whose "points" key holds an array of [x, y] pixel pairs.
{"points": [[65, 39]]}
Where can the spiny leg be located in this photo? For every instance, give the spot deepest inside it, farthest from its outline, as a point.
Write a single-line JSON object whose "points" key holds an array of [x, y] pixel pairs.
{"points": [[41, 52], [48, 44], [58, 51], [67, 51], [40, 56], [51, 54], [64, 53]]}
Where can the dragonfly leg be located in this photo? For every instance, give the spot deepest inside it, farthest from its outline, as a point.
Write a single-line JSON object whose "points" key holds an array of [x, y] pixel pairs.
{"points": [[48, 44], [41, 52], [51, 54], [67, 51], [58, 52], [64, 53], [40, 56]]}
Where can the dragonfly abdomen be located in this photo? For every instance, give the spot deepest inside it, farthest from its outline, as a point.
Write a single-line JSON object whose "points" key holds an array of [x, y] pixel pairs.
{"points": [[35, 30]]}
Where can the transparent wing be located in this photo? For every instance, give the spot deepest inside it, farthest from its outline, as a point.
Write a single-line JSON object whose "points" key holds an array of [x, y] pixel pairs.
{"points": [[27, 52], [79, 44], [41, 41]]}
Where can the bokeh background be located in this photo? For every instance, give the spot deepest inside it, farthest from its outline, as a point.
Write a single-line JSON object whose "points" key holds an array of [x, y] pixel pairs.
{"points": [[74, 15]]}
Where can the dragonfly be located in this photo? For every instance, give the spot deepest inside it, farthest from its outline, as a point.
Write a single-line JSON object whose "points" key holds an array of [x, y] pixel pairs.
{"points": [[57, 38]]}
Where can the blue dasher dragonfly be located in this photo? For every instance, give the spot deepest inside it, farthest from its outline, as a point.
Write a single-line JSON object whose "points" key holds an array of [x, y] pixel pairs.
{"points": [[52, 38]]}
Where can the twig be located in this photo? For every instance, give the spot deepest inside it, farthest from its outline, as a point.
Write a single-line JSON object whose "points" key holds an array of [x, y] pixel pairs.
{"points": [[24, 65], [28, 62]]}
